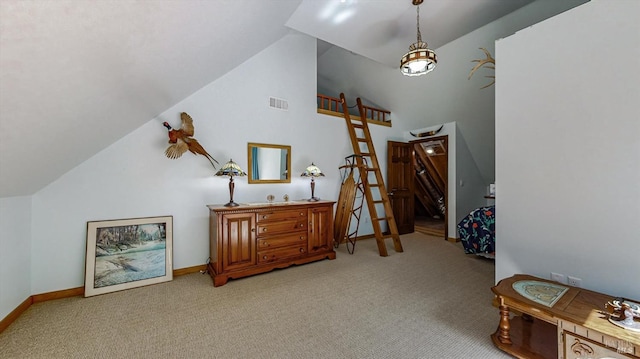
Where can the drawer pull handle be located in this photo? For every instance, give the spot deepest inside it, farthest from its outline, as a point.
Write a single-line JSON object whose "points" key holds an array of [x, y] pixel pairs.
{"points": [[264, 257], [264, 229], [301, 237], [301, 225], [301, 250], [264, 217]]}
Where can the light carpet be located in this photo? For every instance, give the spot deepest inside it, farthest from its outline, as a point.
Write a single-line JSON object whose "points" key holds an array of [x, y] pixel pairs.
{"points": [[431, 301]]}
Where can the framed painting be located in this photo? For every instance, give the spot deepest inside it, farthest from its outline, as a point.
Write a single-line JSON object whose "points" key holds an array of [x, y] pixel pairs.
{"points": [[128, 253]]}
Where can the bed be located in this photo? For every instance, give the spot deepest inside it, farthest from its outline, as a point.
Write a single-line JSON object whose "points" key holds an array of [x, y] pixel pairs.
{"points": [[478, 231]]}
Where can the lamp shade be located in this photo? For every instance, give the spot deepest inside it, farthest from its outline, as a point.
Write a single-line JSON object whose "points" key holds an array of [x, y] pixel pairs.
{"points": [[312, 171], [418, 61], [230, 169]]}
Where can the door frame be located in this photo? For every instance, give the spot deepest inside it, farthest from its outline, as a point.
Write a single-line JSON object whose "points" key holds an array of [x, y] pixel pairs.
{"points": [[445, 144]]}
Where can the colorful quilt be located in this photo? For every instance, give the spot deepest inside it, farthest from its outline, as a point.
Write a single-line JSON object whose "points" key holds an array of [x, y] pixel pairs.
{"points": [[478, 231]]}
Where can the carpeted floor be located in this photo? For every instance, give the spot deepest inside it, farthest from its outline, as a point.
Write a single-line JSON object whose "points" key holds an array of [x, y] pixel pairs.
{"points": [[431, 301]]}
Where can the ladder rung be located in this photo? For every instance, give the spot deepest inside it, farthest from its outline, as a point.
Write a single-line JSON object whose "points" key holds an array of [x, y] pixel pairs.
{"points": [[372, 168], [381, 201], [374, 185], [362, 140], [382, 219], [357, 126]]}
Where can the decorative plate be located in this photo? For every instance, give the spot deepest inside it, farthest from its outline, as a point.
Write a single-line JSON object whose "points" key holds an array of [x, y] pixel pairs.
{"points": [[544, 293]]}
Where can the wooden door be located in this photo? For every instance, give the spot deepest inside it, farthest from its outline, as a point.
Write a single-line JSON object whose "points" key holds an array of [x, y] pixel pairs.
{"points": [[400, 184], [320, 229], [238, 244]]}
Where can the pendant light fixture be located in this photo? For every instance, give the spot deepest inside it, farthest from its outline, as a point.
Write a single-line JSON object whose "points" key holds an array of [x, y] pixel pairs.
{"points": [[420, 59]]}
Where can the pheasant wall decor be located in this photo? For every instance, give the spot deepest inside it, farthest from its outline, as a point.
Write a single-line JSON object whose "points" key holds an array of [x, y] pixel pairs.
{"points": [[181, 140]]}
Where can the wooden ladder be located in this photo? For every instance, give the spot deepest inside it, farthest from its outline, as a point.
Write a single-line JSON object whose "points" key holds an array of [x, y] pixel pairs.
{"points": [[363, 149]]}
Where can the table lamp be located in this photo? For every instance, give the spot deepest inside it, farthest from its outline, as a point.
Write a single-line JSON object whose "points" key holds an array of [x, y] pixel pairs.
{"points": [[231, 169], [312, 171]]}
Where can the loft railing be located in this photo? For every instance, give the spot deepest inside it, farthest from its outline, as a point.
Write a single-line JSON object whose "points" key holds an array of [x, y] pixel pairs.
{"points": [[329, 103], [333, 106]]}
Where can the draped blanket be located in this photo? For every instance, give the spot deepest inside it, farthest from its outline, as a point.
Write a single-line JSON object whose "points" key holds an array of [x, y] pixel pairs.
{"points": [[478, 230]]}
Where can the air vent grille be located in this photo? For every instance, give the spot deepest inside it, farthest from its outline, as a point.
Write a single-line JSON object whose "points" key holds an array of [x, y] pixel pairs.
{"points": [[278, 103]]}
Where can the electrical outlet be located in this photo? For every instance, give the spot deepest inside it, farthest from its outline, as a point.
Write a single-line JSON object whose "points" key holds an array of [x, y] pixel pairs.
{"points": [[558, 278], [574, 282]]}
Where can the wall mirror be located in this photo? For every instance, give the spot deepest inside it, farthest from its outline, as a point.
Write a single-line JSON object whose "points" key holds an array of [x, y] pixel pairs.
{"points": [[269, 163]]}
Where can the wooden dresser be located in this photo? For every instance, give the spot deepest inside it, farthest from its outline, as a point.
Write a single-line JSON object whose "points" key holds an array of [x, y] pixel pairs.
{"points": [[259, 237], [575, 326]]}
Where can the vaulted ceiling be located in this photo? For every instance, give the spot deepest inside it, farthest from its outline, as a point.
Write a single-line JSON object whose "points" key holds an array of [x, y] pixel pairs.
{"points": [[76, 75]]}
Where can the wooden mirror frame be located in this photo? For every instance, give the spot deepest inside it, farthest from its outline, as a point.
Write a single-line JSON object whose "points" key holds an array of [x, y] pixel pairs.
{"points": [[250, 156]]}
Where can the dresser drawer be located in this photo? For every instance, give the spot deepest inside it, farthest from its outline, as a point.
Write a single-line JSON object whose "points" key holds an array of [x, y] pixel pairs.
{"points": [[275, 255], [277, 215], [282, 241], [283, 226], [578, 347]]}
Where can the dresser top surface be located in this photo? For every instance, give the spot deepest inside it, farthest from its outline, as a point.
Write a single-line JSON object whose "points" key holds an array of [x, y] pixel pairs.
{"points": [[265, 205]]}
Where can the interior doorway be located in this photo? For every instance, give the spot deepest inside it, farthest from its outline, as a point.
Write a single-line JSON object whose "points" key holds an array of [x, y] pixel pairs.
{"points": [[417, 176]]}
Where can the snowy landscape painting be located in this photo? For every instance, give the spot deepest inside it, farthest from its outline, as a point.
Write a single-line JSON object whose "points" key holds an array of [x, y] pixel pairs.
{"points": [[128, 253]]}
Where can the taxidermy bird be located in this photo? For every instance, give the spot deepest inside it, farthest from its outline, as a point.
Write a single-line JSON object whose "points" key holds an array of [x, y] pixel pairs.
{"points": [[181, 140]]}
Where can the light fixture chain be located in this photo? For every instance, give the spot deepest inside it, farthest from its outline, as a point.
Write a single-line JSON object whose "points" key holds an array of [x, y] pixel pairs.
{"points": [[418, 23]]}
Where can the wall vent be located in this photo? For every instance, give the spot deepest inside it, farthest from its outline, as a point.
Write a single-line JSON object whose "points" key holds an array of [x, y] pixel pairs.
{"points": [[278, 103]]}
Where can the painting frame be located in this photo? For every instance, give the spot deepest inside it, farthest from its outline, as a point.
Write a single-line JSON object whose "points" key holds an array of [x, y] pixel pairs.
{"points": [[128, 253]]}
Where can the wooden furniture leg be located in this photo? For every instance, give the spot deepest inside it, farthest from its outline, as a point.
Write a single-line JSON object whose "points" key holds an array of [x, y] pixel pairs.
{"points": [[503, 328]]}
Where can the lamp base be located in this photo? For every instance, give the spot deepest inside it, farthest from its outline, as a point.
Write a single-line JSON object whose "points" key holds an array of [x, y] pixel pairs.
{"points": [[231, 204], [313, 199]]}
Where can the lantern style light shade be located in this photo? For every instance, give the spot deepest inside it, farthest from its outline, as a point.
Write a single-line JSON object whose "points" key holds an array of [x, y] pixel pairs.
{"points": [[231, 169], [312, 171], [420, 59]]}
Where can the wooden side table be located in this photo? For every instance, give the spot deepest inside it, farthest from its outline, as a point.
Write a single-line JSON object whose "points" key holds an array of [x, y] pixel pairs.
{"points": [[574, 326]]}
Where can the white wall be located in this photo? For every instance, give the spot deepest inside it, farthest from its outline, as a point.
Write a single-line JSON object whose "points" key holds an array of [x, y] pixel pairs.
{"points": [[133, 178], [568, 148], [444, 95], [468, 184], [15, 252]]}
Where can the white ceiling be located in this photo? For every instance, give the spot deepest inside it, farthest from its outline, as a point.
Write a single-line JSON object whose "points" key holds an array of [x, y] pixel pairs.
{"points": [[77, 75], [383, 30]]}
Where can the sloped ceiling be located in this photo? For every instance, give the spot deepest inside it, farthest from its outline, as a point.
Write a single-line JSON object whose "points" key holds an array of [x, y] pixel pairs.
{"points": [[77, 75]]}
